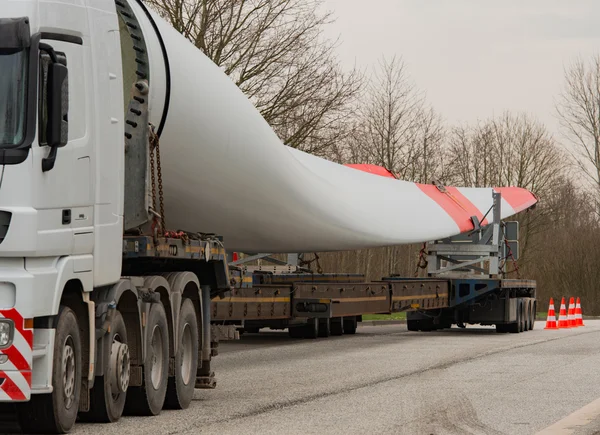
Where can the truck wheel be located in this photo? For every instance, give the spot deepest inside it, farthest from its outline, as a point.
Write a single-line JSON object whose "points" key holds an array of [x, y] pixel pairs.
{"points": [[350, 324], [324, 327], [107, 398], [524, 317], [336, 326], [149, 398], [311, 329], [180, 389], [56, 412], [412, 325]]}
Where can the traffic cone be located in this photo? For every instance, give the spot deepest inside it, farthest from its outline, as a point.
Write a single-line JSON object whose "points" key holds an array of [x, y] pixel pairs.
{"points": [[578, 314], [551, 320], [571, 313], [562, 316]]}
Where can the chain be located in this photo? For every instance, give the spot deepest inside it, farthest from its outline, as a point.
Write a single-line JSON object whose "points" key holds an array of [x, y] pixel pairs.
{"points": [[152, 170], [422, 261], [512, 257], [155, 150], [160, 186], [309, 263]]}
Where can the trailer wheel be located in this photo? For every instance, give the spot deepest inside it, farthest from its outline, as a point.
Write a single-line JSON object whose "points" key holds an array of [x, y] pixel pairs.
{"points": [[311, 329], [324, 327], [412, 325], [533, 314], [515, 327], [524, 316], [57, 412], [350, 325], [180, 389], [296, 331], [107, 397], [501, 328], [149, 398], [336, 326]]}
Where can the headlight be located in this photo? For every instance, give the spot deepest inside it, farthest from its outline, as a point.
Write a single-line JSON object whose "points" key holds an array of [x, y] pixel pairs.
{"points": [[5, 333]]}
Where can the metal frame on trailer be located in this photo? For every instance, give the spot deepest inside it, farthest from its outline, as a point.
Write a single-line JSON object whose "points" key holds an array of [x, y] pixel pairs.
{"points": [[479, 253]]}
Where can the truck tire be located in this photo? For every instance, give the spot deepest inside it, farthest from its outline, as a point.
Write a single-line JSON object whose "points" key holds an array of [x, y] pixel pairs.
{"points": [[180, 388], [57, 412], [412, 325], [350, 325], [324, 327], [336, 325], [524, 316], [107, 397], [311, 329], [515, 328], [149, 398]]}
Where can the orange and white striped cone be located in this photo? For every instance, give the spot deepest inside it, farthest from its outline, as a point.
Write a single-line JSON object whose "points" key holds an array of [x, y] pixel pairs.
{"points": [[578, 314], [571, 313], [551, 320], [562, 316]]}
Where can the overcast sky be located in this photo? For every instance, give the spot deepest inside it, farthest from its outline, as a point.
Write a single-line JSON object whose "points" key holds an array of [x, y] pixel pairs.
{"points": [[474, 58]]}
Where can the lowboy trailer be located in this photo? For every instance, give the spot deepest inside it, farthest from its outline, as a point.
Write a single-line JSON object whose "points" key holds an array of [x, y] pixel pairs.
{"points": [[466, 284]]}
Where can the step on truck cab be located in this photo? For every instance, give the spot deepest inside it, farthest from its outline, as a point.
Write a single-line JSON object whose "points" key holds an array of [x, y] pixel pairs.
{"points": [[102, 310]]}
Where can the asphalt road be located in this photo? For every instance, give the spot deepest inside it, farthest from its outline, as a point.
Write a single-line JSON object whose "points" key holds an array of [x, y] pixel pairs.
{"points": [[388, 380]]}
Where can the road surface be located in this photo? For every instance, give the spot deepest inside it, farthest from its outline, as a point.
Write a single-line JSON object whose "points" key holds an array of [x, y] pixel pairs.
{"points": [[388, 380]]}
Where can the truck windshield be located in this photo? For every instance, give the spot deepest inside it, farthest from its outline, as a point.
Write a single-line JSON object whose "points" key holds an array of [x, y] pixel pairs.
{"points": [[13, 91]]}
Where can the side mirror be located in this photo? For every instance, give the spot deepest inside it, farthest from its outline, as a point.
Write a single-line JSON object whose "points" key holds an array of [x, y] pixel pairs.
{"points": [[57, 129]]}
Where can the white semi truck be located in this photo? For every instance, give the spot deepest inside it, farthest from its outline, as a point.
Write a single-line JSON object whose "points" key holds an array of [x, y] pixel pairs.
{"points": [[101, 309]]}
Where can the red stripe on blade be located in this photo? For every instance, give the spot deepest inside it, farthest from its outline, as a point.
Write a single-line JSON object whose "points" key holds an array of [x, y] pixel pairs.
{"points": [[458, 214], [372, 169], [468, 205], [517, 197]]}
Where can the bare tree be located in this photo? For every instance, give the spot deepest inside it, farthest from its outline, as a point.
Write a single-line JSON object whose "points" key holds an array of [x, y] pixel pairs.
{"points": [[395, 128], [578, 109], [428, 158], [512, 150], [275, 52]]}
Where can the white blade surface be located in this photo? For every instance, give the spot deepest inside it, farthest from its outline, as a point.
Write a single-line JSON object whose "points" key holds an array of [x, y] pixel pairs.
{"points": [[225, 171]]}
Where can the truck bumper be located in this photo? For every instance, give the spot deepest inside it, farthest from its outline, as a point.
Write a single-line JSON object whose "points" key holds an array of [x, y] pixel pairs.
{"points": [[16, 360]]}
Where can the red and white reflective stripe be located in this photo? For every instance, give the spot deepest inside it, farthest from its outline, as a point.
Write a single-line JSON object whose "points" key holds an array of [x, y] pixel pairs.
{"points": [[16, 383], [15, 386]]}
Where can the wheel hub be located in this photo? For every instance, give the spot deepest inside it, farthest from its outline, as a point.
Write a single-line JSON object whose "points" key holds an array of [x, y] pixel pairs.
{"points": [[156, 371], [186, 355], [68, 370], [119, 365]]}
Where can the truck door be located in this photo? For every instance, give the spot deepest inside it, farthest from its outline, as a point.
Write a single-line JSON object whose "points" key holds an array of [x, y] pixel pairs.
{"points": [[64, 194]]}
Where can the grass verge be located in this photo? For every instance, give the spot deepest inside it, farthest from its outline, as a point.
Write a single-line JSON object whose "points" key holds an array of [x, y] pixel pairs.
{"points": [[402, 316], [393, 316]]}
